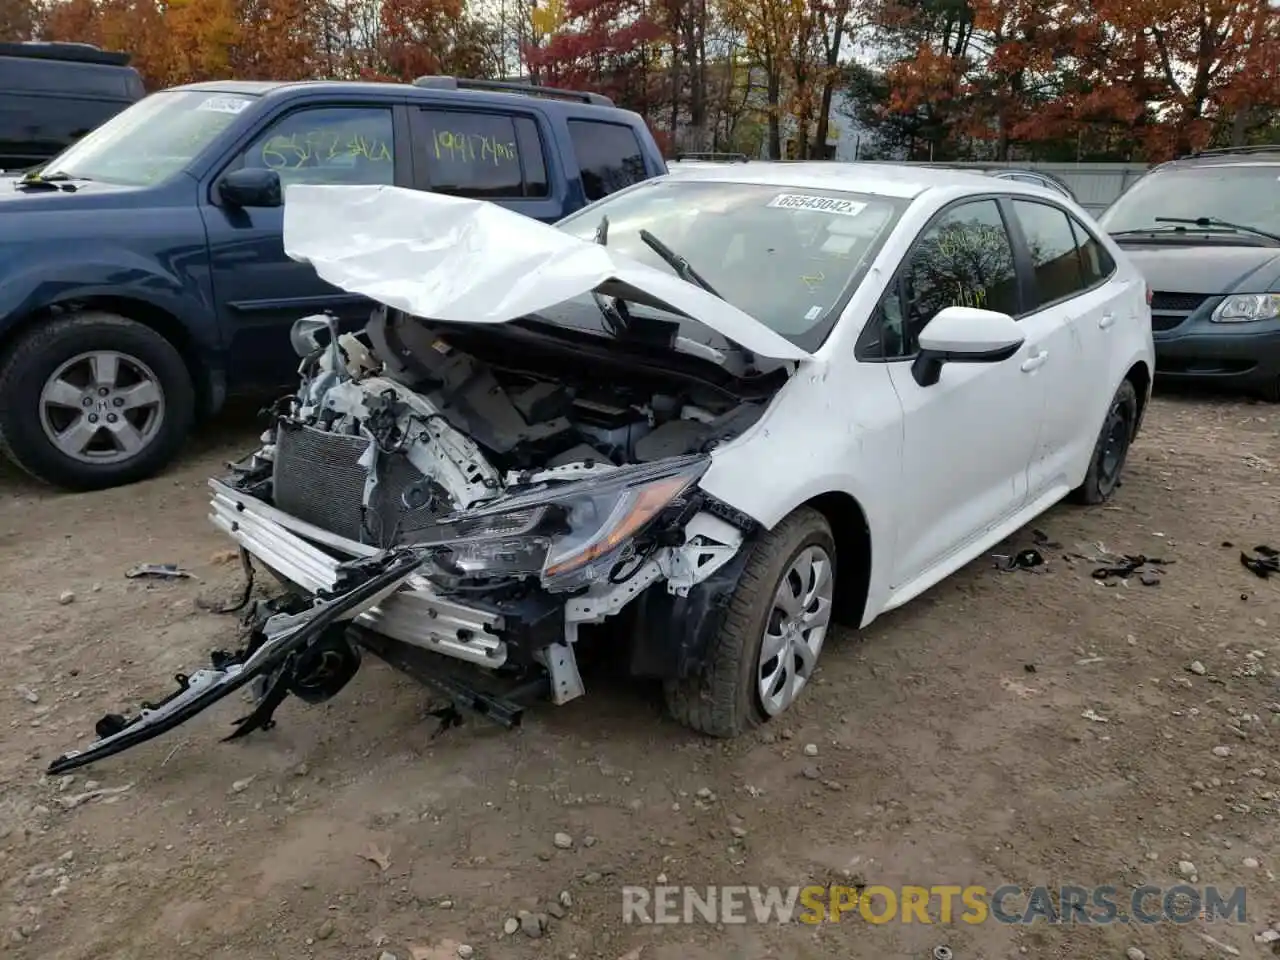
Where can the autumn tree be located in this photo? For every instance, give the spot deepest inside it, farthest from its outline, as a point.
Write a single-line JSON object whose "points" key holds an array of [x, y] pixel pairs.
{"points": [[17, 20]]}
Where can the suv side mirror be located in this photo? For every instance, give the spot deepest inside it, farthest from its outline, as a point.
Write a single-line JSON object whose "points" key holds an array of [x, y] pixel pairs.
{"points": [[251, 187], [964, 335]]}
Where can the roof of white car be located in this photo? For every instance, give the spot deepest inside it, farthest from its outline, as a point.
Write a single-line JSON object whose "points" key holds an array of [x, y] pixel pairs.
{"points": [[884, 179]]}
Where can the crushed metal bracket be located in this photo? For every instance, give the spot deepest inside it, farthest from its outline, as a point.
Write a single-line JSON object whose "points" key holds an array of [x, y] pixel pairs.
{"points": [[416, 663], [562, 666]]}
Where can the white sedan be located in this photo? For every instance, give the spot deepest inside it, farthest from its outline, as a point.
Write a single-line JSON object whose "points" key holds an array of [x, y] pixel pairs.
{"points": [[725, 409]]}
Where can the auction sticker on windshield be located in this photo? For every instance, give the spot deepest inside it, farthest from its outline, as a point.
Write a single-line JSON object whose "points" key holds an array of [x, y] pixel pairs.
{"points": [[801, 201], [224, 104]]}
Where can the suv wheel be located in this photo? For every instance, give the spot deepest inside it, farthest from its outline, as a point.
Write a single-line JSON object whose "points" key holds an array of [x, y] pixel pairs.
{"points": [[93, 401], [767, 647]]}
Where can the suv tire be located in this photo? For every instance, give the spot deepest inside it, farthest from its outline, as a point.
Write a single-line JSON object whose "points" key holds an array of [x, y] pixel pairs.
{"points": [[725, 699], [134, 387]]}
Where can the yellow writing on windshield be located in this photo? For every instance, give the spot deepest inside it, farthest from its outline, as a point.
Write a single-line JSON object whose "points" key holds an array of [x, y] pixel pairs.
{"points": [[472, 148], [299, 150], [814, 280]]}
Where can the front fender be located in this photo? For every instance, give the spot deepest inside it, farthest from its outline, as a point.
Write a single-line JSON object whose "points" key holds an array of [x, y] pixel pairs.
{"points": [[38, 276]]}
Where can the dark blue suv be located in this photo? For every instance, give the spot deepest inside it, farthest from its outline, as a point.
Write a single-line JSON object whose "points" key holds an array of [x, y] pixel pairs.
{"points": [[143, 273]]}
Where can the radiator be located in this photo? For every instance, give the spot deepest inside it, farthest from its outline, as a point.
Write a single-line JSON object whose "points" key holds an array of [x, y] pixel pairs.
{"points": [[318, 479]]}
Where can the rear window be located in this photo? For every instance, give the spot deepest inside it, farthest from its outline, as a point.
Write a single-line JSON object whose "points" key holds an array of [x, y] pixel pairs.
{"points": [[609, 156], [486, 156]]}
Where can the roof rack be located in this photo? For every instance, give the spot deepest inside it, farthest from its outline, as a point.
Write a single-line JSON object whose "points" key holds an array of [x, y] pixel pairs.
{"points": [[1228, 151], [509, 86], [77, 52], [718, 157]]}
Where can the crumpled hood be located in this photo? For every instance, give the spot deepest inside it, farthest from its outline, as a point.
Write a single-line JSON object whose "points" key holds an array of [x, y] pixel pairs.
{"points": [[471, 261]]}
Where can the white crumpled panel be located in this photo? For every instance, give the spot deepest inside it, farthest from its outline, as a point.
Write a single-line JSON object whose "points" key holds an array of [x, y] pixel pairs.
{"points": [[471, 261]]}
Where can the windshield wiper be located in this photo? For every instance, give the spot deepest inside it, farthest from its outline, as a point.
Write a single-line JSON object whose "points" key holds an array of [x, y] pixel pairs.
{"points": [[1215, 222], [679, 264], [37, 179], [616, 316]]}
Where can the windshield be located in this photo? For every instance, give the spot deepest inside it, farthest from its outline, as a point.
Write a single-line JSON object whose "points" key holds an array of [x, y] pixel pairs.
{"points": [[151, 140], [1248, 195], [787, 256]]}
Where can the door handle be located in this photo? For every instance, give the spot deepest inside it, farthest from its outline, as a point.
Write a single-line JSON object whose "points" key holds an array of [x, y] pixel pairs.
{"points": [[1036, 362], [1107, 320]]}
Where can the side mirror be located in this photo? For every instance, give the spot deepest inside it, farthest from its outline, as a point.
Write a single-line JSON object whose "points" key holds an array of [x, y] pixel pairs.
{"points": [[964, 335], [251, 187]]}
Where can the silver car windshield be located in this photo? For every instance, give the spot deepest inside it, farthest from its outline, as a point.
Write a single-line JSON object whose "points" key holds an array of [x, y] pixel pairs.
{"points": [[1238, 193]]}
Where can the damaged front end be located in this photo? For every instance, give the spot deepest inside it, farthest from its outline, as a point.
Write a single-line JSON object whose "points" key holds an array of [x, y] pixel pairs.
{"points": [[499, 506], [461, 496]]}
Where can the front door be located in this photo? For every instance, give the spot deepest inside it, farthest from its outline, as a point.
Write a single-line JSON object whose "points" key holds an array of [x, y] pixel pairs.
{"points": [[967, 439], [259, 291]]}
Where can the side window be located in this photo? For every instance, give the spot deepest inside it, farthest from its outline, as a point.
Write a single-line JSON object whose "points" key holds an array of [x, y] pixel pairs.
{"points": [[1052, 245], [486, 156], [609, 156], [341, 145], [964, 259], [1097, 263]]}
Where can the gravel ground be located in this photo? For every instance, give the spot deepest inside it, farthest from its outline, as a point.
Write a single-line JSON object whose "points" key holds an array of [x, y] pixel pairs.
{"points": [[1025, 727]]}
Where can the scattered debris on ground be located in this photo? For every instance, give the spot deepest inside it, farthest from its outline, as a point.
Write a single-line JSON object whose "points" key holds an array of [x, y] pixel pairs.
{"points": [[1140, 723]]}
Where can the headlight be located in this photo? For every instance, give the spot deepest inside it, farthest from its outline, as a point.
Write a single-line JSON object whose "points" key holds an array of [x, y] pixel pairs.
{"points": [[569, 534], [1243, 307]]}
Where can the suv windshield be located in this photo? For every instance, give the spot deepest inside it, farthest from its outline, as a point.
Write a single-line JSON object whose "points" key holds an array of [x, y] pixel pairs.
{"points": [[784, 255], [1247, 194], [151, 141]]}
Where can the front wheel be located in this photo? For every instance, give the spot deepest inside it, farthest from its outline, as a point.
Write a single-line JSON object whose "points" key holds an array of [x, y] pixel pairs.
{"points": [[1111, 449], [767, 647], [93, 401]]}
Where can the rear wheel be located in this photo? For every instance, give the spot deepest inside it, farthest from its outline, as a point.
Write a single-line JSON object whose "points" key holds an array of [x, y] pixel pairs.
{"points": [[93, 401], [767, 647], [1111, 449]]}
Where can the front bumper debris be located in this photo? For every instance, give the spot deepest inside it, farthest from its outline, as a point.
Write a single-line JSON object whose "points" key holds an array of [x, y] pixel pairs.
{"points": [[417, 615], [276, 651]]}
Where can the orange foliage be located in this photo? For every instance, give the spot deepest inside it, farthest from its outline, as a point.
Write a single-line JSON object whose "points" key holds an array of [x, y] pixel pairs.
{"points": [[181, 41], [1169, 73]]}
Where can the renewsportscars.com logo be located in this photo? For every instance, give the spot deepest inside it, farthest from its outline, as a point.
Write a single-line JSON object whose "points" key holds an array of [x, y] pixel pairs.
{"points": [[1009, 904]]}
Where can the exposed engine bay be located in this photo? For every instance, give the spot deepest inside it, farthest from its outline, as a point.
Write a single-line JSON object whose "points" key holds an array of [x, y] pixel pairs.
{"points": [[442, 495], [379, 453]]}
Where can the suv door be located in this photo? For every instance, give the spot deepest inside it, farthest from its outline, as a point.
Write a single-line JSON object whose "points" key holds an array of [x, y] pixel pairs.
{"points": [[258, 290], [1068, 309], [967, 439], [486, 155]]}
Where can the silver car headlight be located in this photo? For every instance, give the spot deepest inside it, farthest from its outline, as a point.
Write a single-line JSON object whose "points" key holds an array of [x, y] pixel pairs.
{"points": [[1244, 307], [568, 534]]}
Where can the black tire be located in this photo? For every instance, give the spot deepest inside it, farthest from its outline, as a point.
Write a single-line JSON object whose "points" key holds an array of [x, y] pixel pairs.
{"points": [[1111, 449], [723, 701], [39, 353], [1270, 392]]}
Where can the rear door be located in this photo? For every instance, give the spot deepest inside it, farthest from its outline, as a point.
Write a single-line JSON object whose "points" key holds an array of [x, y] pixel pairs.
{"points": [[259, 290], [1068, 311], [494, 154]]}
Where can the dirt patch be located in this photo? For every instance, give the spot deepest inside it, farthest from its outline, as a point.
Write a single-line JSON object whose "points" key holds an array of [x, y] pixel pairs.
{"points": [[1026, 727]]}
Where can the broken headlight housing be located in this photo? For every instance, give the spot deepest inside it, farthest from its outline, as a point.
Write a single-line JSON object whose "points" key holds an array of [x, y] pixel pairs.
{"points": [[569, 534]]}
